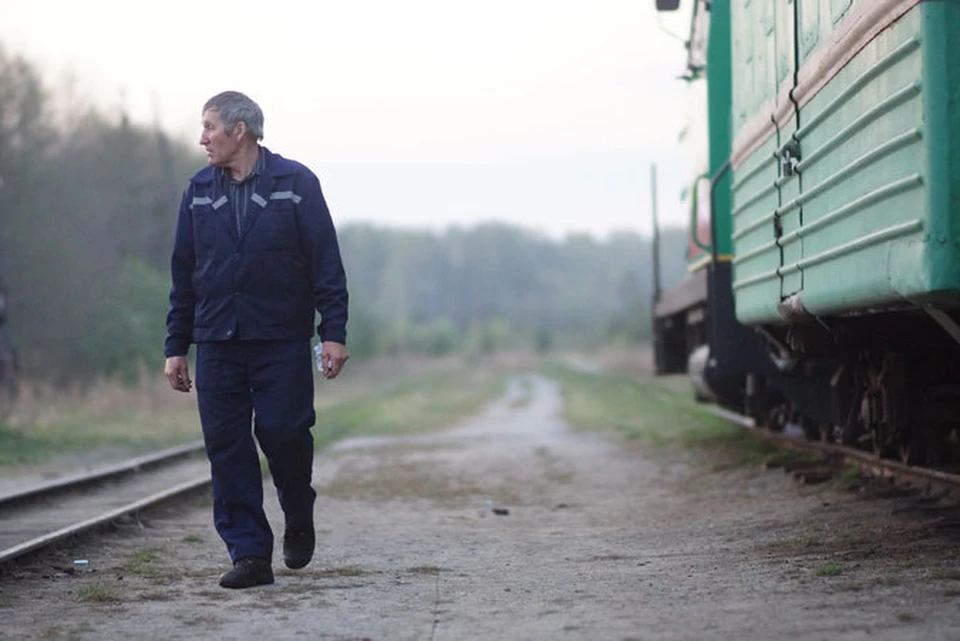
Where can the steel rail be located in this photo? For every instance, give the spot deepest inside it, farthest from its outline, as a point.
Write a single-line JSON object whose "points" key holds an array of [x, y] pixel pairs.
{"points": [[77, 481], [865, 460], [103, 519]]}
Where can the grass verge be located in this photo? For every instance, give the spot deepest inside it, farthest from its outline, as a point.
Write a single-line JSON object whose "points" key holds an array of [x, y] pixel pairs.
{"points": [[128, 431], [113, 422], [656, 411], [433, 402]]}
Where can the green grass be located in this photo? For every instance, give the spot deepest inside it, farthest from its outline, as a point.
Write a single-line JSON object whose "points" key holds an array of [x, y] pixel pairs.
{"points": [[98, 592], [830, 569], [128, 422], [18, 447], [657, 411], [337, 572], [141, 563], [408, 407], [78, 431], [431, 570], [852, 477]]}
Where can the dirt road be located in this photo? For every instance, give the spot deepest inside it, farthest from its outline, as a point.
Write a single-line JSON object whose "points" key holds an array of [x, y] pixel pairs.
{"points": [[510, 526]]}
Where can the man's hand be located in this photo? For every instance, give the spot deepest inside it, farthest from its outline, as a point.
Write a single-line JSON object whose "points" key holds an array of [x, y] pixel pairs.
{"points": [[331, 358], [178, 373]]}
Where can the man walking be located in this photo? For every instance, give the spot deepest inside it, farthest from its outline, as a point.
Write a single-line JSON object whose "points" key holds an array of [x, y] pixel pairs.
{"points": [[255, 256]]}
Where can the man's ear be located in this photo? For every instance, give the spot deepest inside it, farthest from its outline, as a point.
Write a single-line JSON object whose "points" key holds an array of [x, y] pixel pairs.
{"points": [[240, 130]]}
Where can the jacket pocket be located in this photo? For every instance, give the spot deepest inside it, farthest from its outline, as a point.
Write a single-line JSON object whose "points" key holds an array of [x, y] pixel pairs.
{"points": [[279, 220]]}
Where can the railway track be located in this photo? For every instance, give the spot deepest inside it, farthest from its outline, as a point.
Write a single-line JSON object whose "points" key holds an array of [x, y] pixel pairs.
{"points": [[47, 513], [39, 516], [928, 479]]}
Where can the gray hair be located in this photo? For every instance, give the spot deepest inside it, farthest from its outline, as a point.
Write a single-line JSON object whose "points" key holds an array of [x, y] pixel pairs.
{"points": [[234, 107]]}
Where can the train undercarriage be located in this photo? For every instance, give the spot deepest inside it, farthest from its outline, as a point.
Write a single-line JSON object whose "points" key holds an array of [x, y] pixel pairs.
{"points": [[887, 382]]}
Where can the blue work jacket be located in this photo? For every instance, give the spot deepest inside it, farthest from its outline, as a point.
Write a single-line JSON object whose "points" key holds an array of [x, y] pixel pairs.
{"points": [[265, 283]]}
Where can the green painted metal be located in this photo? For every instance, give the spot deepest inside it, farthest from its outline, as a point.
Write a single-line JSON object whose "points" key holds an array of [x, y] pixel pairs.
{"points": [[786, 43], [871, 216], [816, 20], [941, 74], [756, 256], [862, 134], [719, 100], [810, 28], [758, 80], [789, 216], [752, 42]]}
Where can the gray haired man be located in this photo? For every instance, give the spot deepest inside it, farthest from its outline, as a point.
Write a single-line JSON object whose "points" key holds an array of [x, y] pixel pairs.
{"points": [[255, 258]]}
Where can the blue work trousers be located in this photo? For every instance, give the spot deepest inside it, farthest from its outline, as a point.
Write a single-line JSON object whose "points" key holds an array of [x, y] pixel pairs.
{"points": [[266, 386]]}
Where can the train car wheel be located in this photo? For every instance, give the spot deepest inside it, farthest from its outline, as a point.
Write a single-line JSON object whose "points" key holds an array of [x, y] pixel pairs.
{"points": [[777, 418], [911, 453], [827, 432]]}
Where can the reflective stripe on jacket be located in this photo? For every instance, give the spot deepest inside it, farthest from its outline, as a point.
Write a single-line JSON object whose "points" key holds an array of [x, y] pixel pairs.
{"points": [[263, 284]]}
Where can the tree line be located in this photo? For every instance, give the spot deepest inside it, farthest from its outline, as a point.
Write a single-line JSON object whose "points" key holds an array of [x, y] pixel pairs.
{"points": [[87, 209]]}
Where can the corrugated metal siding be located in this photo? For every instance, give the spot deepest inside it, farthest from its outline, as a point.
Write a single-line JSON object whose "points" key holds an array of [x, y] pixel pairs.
{"points": [[872, 216], [757, 258], [790, 218], [762, 65], [862, 174]]}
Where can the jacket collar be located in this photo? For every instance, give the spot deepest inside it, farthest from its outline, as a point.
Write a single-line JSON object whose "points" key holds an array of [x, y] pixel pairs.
{"points": [[275, 166]]}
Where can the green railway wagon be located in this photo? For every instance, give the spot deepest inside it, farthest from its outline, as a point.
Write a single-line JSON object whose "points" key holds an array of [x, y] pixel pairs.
{"points": [[846, 189], [843, 223]]}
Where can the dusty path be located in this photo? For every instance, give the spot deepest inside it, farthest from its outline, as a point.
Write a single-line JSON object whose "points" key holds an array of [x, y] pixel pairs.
{"points": [[600, 540]]}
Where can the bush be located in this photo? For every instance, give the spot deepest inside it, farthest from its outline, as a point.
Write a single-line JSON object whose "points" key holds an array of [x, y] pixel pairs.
{"points": [[126, 333]]}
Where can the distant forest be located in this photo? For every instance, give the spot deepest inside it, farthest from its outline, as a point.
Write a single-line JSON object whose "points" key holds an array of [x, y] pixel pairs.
{"points": [[87, 209]]}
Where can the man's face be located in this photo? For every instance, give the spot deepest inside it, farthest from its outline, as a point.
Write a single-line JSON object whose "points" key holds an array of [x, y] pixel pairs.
{"points": [[221, 146]]}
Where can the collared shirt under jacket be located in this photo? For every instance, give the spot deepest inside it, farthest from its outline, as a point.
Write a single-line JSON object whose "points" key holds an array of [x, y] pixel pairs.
{"points": [[266, 282]]}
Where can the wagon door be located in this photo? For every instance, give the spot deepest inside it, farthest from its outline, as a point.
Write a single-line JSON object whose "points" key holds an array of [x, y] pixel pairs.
{"points": [[789, 215], [800, 34], [763, 64], [858, 153]]}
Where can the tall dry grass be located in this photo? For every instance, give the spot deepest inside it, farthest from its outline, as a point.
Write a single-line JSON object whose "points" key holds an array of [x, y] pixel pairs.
{"points": [[109, 419]]}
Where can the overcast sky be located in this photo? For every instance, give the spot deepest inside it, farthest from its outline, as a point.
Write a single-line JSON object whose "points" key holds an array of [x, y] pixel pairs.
{"points": [[543, 113]]}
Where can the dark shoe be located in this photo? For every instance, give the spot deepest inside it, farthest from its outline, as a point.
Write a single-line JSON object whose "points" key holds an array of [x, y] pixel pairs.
{"points": [[248, 572], [298, 546]]}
